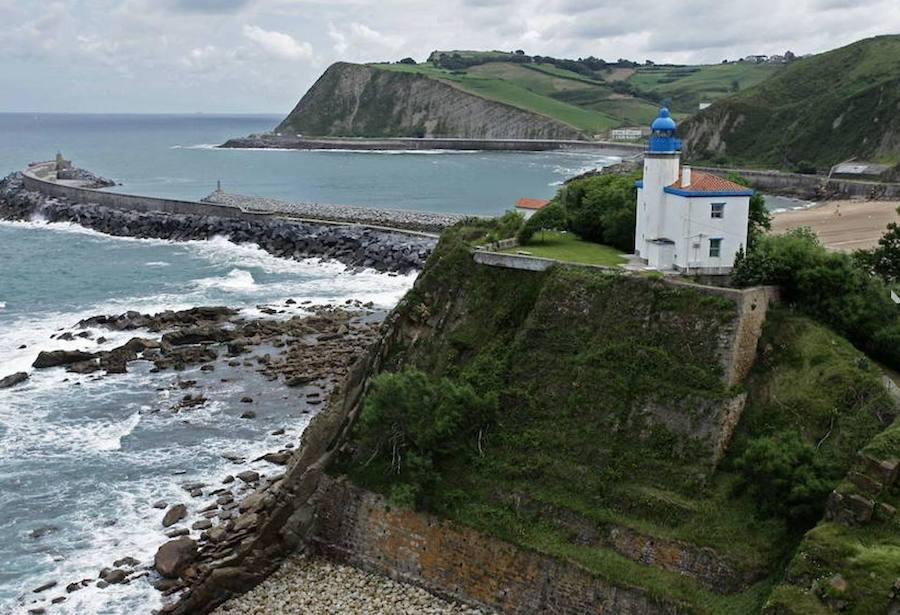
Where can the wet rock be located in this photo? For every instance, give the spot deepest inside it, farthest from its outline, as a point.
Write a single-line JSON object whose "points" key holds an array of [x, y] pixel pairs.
{"points": [[160, 504], [40, 532], [248, 476], [202, 524], [198, 335], [129, 562], [280, 458], [114, 577], [174, 556], [249, 414], [278, 432], [44, 587], [174, 515], [73, 587], [58, 600], [246, 400], [84, 367], [228, 479], [58, 358], [13, 380], [182, 531]]}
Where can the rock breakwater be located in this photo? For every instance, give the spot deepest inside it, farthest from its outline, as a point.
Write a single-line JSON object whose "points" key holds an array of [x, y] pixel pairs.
{"points": [[423, 221], [354, 246]]}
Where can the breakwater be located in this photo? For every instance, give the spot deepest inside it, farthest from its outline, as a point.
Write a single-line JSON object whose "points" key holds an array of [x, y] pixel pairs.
{"points": [[413, 144], [418, 221], [24, 196]]}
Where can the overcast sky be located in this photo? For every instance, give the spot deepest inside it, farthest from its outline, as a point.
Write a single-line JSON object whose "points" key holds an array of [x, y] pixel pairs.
{"points": [[262, 55]]}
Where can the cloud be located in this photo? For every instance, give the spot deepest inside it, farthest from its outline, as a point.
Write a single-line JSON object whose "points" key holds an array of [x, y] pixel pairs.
{"points": [[210, 6], [278, 44]]}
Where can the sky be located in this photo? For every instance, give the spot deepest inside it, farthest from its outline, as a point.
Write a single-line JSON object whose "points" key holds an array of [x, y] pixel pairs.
{"points": [[260, 56]]}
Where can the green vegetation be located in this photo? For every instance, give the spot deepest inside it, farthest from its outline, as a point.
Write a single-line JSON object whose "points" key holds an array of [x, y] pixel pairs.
{"points": [[884, 259], [600, 209], [603, 384], [569, 248], [815, 112], [685, 87], [835, 288]]}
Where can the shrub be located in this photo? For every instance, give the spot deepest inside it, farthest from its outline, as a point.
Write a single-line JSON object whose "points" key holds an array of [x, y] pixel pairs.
{"points": [[550, 218], [411, 424], [785, 478], [833, 287]]}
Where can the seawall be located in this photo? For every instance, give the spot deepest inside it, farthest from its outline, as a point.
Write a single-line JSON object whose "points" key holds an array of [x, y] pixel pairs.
{"points": [[456, 562], [412, 144], [811, 187]]}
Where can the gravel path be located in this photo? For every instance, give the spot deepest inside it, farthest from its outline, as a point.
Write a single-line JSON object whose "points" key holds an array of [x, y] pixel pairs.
{"points": [[305, 586], [424, 221]]}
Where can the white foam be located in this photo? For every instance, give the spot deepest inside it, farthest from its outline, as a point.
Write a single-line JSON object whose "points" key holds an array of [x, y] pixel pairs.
{"points": [[236, 280], [2, 305], [157, 264], [196, 146]]}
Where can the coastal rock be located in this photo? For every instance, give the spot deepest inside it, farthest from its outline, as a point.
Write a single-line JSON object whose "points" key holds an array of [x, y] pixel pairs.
{"points": [[174, 515], [13, 380], [57, 358], [44, 587], [248, 476], [174, 556]]}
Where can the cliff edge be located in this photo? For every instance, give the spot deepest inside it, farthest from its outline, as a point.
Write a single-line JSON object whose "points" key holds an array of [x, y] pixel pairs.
{"points": [[353, 100]]}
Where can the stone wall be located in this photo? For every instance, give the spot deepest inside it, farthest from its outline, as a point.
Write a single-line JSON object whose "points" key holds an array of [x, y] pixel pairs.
{"points": [[811, 186], [458, 563]]}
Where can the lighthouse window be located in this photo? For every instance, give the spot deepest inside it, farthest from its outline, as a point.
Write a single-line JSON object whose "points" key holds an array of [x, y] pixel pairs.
{"points": [[718, 210], [715, 248]]}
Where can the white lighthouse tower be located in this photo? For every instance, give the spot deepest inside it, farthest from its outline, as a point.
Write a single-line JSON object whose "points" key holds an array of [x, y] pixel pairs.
{"points": [[687, 221]]}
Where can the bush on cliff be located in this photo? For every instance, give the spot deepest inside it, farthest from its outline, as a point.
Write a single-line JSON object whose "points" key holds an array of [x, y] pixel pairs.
{"points": [[550, 218], [833, 287], [411, 424], [785, 477]]}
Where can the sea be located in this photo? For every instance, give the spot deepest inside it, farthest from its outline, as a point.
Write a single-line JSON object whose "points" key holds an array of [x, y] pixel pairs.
{"points": [[84, 458]]}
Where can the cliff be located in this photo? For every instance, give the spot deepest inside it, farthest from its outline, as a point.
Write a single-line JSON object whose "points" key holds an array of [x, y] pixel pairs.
{"points": [[818, 111], [353, 100]]}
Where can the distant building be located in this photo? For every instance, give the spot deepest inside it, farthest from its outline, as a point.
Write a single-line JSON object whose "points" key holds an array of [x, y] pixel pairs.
{"points": [[756, 59], [704, 105], [527, 207], [687, 221], [626, 134]]}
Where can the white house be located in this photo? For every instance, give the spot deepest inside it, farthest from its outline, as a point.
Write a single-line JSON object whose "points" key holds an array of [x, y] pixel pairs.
{"points": [[687, 220], [529, 207]]}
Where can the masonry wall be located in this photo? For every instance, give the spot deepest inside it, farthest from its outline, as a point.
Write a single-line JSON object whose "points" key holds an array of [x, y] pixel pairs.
{"points": [[458, 563], [811, 186], [33, 181]]}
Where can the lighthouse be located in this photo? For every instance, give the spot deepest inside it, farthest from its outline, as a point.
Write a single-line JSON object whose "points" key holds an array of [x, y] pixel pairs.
{"points": [[687, 221]]}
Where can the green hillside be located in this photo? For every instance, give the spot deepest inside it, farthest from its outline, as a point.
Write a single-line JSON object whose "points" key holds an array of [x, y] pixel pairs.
{"points": [[818, 110], [591, 96], [560, 411]]}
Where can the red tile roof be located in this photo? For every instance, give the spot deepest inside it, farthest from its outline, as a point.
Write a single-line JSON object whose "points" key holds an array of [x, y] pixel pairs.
{"points": [[707, 182], [531, 203]]}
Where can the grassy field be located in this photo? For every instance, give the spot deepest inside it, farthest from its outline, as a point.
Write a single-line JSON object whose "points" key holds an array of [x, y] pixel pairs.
{"points": [[688, 86], [569, 248], [595, 105], [587, 104]]}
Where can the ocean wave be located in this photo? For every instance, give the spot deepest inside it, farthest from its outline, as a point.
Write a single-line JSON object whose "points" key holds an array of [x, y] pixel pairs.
{"points": [[157, 264], [2, 305], [196, 146], [237, 280]]}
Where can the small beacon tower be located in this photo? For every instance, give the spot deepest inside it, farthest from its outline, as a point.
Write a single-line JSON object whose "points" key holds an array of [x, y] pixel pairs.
{"points": [[689, 222]]}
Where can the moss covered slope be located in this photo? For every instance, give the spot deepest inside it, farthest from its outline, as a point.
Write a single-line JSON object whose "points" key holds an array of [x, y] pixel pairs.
{"points": [[599, 448]]}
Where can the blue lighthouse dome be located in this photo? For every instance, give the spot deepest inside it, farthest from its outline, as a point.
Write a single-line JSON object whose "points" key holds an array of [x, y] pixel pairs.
{"points": [[663, 139], [664, 121]]}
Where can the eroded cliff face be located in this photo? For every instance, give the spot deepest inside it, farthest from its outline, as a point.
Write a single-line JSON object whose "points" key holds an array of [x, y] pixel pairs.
{"points": [[352, 100]]}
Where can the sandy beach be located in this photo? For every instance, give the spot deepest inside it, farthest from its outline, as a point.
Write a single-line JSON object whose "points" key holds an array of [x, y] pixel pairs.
{"points": [[842, 225]]}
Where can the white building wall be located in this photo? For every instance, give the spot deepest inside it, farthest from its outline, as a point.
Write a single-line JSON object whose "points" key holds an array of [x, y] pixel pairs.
{"points": [[690, 224], [660, 170]]}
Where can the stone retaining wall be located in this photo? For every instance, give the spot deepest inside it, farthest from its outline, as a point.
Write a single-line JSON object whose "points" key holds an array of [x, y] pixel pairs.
{"points": [[811, 187], [360, 528]]}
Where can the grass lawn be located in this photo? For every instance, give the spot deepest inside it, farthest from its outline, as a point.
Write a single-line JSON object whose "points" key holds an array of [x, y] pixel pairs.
{"points": [[568, 247]]}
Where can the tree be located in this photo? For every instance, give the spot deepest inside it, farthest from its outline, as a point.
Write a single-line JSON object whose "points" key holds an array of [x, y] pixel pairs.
{"points": [[884, 260], [411, 425], [407, 61], [551, 218], [784, 476]]}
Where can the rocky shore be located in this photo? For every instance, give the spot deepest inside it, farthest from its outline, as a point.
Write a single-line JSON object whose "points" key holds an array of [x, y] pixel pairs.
{"points": [[311, 352], [354, 246], [423, 221], [309, 586]]}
